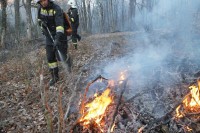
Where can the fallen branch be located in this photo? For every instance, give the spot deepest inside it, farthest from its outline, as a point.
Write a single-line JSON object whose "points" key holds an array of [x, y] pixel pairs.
{"points": [[117, 107], [48, 113], [60, 110], [44, 97], [83, 100], [72, 96], [42, 83], [139, 94], [86, 90], [163, 120]]}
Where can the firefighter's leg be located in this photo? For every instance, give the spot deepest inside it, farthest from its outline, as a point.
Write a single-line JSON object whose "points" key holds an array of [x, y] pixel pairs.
{"points": [[74, 41], [74, 36], [78, 37], [52, 63]]}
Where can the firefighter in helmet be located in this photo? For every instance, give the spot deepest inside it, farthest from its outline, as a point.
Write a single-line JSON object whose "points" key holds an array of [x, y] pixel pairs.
{"points": [[74, 18], [52, 23]]}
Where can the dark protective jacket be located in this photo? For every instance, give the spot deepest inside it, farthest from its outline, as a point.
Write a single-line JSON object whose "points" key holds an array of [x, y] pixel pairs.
{"points": [[74, 17], [53, 16]]}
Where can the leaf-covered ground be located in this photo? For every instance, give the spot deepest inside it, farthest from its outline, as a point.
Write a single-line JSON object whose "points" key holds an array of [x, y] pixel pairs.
{"points": [[24, 94]]}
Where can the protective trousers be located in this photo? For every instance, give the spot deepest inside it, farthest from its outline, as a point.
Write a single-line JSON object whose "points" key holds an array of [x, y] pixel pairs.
{"points": [[75, 36], [53, 56]]}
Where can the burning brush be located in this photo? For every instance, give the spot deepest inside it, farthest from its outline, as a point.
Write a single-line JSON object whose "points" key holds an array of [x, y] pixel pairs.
{"points": [[95, 112], [191, 102]]}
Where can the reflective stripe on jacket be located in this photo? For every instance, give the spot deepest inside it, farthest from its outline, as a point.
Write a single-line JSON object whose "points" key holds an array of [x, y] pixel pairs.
{"points": [[53, 17]]}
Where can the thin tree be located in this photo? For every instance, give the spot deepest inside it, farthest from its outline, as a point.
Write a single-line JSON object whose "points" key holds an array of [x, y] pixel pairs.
{"points": [[27, 6], [17, 20], [89, 17], [132, 8], [83, 16], [4, 23]]}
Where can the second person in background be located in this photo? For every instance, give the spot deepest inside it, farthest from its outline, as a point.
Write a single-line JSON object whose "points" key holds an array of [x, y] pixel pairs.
{"points": [[74, 18]]}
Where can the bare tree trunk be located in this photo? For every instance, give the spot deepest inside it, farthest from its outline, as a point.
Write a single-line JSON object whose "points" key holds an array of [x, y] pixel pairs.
{"points": [[84, 16], [115, 13], [27, 6], [4, 23], [89, 17], [132, 4], [101, 18], [149, 5], [112, 24], [123, 16], [17, 20]]}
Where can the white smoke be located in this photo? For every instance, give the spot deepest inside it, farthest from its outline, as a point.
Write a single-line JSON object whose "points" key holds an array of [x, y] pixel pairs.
{"points": [[165, 49]]}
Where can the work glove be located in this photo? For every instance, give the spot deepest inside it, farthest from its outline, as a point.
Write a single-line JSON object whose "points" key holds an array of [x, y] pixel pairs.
{"points": [[43, 27], [42, 23]]}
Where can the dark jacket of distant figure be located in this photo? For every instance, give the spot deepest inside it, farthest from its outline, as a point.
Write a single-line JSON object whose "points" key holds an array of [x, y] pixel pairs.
{"points": [[74, 18]]}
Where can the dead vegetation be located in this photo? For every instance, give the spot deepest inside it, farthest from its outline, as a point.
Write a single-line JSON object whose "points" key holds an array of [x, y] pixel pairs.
{"points": [[28, 105]]}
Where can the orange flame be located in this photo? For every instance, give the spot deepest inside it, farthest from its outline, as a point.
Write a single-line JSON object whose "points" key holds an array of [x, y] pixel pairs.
{"points": [[188, 128], [192, 101], [96, 109], [178, 113], [195, 101], [141, 129]]}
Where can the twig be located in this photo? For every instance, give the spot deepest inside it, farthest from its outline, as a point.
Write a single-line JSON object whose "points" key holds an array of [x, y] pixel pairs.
{"points": [[190, 114], [60, 110], [72, 96], [83, 100], [86, 90], [42, 84], [139, 94], [117, 107], [163, 119], [48, 112]]}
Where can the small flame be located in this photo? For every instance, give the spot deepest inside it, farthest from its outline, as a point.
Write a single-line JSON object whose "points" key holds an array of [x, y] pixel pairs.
{"points": [[122, 76], [113, 127], [195, 101], [188, 128], [141, 129], [96, 109], [191, 102], [178, 113]]}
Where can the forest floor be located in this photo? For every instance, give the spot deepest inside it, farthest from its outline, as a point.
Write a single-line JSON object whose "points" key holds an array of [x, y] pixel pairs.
{"points": [[24, 93]]}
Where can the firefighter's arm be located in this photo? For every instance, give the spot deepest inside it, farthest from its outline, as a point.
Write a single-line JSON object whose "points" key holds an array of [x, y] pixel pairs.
{"points": [[42, 24], [59, 25]]}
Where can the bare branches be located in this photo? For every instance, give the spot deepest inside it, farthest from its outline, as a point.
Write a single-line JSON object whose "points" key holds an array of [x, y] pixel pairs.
{"points": [[118, 104], [72, 96]]}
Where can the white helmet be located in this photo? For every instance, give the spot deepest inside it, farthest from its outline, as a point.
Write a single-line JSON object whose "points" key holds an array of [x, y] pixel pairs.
{"points": [[72, 3]]}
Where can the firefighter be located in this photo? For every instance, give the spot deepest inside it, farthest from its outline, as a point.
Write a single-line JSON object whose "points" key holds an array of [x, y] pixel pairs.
{"points": [[74, 18], [51, 20]]}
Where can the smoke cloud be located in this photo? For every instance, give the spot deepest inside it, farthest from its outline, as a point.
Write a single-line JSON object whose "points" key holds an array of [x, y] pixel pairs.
{"points": [[169, 46]]}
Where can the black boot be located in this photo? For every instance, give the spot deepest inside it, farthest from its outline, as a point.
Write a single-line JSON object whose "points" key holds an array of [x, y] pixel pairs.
{"points": [[69, 63], [75, 45], [78, 37], [54, 74]]}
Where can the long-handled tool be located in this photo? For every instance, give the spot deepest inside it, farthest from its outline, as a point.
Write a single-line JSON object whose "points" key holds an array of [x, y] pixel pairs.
{"points": [[45, 25]]}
